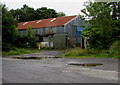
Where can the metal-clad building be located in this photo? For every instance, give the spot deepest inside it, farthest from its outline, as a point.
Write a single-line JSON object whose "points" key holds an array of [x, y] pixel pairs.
{"points": [[62, 32]]}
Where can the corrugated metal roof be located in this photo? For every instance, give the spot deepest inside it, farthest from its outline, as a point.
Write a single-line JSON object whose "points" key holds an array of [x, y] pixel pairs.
{"points": [[51, 22]]}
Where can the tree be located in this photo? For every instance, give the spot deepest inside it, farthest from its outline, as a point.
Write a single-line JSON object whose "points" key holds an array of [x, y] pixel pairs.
{"points": [[44, 13], [27, 40], [31, 38], [27, 13], [116, 10], [103, 29], [9, 31], [60, 14]]}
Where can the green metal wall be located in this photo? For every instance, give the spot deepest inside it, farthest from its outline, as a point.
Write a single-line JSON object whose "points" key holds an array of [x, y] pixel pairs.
{"points": [[60, 41]]}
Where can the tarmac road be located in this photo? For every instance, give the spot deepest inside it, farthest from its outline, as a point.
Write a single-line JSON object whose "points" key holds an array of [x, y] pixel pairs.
{"points": [[57, 70]]}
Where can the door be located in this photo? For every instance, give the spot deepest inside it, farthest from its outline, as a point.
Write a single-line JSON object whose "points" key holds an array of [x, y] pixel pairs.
{"points": [[60, 41]]}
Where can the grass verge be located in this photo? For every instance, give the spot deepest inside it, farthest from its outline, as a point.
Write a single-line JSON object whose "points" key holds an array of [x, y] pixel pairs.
{"points": [[89, 53], [17, 51]]}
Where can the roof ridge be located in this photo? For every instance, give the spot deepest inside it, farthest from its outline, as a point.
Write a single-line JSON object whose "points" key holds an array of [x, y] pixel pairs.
{"points": [[46, 19]]}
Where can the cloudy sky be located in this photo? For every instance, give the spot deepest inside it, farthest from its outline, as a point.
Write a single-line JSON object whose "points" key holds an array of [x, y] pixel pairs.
{"points": [[69, 7]]}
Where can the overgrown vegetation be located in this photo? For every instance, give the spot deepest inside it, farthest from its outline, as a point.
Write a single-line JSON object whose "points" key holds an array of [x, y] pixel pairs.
{"points": [[9, 32], [104, 19], [102, 32], [115, 49], [17, 51], [27, 40], [113, 52], [10, 37]]}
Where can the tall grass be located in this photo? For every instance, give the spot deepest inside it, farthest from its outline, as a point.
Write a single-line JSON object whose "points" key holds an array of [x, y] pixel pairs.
{"points": [[115, 48], [81, 52], [17, 51], [92, 53]]}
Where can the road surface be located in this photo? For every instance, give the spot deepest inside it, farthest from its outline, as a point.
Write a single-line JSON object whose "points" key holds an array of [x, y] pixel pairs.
{"points": [[57, 70]]}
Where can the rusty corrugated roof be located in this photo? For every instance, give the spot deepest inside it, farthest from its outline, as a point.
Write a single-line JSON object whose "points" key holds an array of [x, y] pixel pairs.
{"points": [[51, 22]]}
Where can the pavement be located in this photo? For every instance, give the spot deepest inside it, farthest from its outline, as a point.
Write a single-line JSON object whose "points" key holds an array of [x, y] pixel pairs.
{"points": [[57, 70]]}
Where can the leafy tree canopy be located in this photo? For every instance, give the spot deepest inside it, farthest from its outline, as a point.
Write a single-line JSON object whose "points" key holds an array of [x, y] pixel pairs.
{"points": [[27, 13], [60, 14], [104, 23], [9, 25], [9, 32]]}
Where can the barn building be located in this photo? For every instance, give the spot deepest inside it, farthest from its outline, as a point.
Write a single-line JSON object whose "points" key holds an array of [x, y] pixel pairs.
{"points": [[60, 32]]}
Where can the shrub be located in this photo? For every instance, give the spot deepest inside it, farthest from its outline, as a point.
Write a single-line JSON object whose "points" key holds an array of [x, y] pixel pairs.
{"points": [[7, 47], [17, 51], [27, 40], [80, 52], [115, 48]]}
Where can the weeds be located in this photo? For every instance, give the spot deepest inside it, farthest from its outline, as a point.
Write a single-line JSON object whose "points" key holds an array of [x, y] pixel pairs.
{"points": [[17, 51], [80, 52], [89, 53]]}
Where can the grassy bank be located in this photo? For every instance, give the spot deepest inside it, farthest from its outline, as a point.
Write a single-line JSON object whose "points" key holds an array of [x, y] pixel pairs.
{"points": [[18, 51], [89, 53]]}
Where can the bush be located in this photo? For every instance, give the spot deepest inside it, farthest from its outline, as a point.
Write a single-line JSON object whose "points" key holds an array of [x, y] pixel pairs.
{"points": [[17, 51], [27, 40], [7, 47], [115, 48], [80, 52]]}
